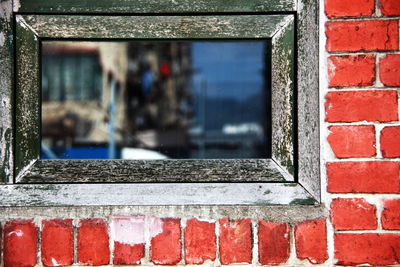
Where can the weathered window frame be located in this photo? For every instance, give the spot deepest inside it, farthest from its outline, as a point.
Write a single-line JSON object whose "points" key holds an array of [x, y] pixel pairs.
{"points": [[290, 177]]}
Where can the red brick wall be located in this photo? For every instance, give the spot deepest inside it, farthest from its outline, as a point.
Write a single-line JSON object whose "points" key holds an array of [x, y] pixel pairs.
{"points": [[363, 130], [360, 84]]}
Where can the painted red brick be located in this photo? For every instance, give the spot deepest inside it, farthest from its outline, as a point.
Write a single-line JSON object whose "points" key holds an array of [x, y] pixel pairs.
{"points": [[166, 246], [390, 7], [358, 70], [200, 241], [57, 242], [311, 243], [128, 254], [353, 214], [373, 249], [367, 35], [389, 70], [352, 141], [93, 242], [128, 236], [344, 8], [235, 242], [391, 214], [390, 142], [20, 243], [273, 242], [363, 177], [354, 106]]}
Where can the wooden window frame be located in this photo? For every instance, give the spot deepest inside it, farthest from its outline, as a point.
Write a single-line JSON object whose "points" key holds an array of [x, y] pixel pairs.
{"points": [[291, 176]]}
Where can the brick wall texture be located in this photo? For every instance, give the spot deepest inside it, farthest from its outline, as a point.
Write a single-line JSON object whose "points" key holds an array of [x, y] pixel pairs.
{"points": [[360, 178]]}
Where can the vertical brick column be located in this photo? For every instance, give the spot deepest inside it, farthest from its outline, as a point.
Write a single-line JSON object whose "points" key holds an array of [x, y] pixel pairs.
{"points": [[363, 129]]}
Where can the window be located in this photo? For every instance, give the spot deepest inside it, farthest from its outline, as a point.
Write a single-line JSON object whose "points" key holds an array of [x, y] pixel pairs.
{"points": [[289, 176]]}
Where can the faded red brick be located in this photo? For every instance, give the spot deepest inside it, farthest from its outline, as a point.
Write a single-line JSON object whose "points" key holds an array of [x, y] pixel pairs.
{"points": [[366, 35], [352, 106], [363, 177], [373, 249], [235, 242], [390, 142], [352, 141], [273, 242], [390, 7], [389, 70], [125, 254], [128, 236], [57, 242], [93, 242], [311, 242], [166, 241], [353, 214], [20, 244], [358, 70], [344, 8], [200, 241], [391, 214]]}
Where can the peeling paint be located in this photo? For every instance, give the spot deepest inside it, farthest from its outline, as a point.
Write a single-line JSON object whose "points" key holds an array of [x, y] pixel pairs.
{"points": [[5, 10], [18, 233], [54, 262], [128, 230], [16, 5], [156, 226], [2, 39]]}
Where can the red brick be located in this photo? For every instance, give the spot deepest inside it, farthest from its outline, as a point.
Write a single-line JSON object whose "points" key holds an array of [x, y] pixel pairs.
{"points": [[352, 141], [128, 236], [20, 243], [390, 7], [391, 214], [93, 242], [125, 254], [235, 242], [363, 177], [389, 70], [200, 241], [390, 142], [57, 242], [356, 70], [166, 241], [344, 8], [311, 243], [362, 35], [354, 106], [273, 243], [353, 214], [373, 249]]}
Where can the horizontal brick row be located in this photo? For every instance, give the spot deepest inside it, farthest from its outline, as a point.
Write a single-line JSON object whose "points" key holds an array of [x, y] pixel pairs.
{"points": [[363, 177], [358, 141], [359, 8], [358, 214], [94, 237], [357, 106], [359, 70]]}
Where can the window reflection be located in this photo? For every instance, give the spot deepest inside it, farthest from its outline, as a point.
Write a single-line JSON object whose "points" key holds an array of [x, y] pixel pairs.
{"points": [[154, 100]]}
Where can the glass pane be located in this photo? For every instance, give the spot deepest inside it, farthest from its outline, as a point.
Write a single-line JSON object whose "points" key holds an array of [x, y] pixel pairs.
{"points": [[155, 99]]}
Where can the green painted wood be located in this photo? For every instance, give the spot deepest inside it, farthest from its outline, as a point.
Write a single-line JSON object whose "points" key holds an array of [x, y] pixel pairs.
{"points": [[27, 91], [145, 171], [153, 6], [6, 89], [155, 27], [283, 98], [155, 194]]}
